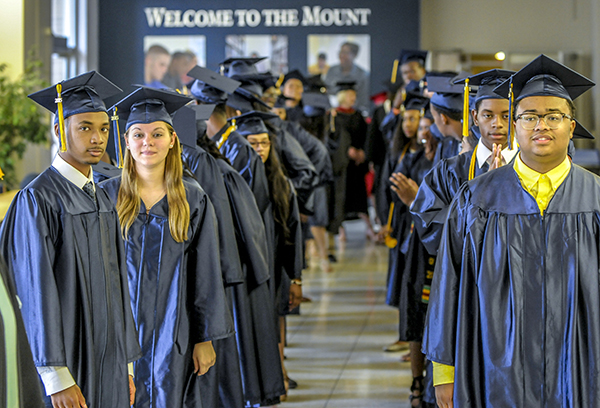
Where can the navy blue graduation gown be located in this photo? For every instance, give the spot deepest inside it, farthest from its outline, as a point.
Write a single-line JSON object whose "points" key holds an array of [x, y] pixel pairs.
{"points": [[514, 303], [299, 168], [254, 312], [177, 297], [208, 174], [221, 386], [67, 258], [435, 193], [23, 372]]}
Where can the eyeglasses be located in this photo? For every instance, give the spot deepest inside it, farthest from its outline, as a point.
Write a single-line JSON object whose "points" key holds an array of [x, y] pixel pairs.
{"points": [[529, 121], [264, 144]]}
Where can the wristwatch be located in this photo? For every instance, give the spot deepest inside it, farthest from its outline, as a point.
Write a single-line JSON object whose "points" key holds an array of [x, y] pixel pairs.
{"points": [[296, 282]]}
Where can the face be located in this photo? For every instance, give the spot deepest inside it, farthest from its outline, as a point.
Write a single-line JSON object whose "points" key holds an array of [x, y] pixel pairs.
{"points": [[261, 144], [346, 56], [348, 99], [293, 88], [149, 143], [410, 123], [281, 112], [87, 135], [424, 134], [542, 147], [270, 95], [492, 119], [412, 71], [157, 66]]}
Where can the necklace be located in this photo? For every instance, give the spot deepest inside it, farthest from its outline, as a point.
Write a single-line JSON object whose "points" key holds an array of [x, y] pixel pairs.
{"points": [[154, 200]]}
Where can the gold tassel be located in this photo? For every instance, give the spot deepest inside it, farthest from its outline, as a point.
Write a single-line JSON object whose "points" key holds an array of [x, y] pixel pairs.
{"points": [[1, 174], [226, 134], [61, 119], [465, 129], [390, 241], [279, 81], [395, 71], [511, 103], [118, 148]]}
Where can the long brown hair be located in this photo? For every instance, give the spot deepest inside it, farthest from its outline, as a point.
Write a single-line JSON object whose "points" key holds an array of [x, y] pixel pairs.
{"points": [[128, 202], [279, 188]]}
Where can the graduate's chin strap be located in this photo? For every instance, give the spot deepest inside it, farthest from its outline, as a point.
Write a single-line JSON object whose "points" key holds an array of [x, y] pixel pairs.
{"points": [[465, 127], [118, 149], [61, 118], [226, 134]]}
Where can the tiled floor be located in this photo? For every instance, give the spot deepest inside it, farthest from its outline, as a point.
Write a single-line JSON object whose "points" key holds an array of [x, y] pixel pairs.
{"points": [[335, 347]]}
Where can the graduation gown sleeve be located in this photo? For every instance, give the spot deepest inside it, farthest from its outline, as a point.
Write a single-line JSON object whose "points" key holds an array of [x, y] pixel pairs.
{"points": [[206, 171]]}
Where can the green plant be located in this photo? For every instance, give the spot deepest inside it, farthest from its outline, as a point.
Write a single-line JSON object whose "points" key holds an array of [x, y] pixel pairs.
{"points": [[21, 120]]}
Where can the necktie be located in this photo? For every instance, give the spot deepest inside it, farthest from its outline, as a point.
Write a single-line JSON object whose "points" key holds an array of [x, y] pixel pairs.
{"points": [[89, 190], [544, 191]]}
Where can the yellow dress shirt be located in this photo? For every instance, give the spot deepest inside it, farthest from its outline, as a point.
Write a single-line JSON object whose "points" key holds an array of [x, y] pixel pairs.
{"points": [[541, 187]]}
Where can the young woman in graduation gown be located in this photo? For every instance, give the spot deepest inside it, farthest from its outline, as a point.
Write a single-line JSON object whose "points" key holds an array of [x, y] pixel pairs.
{"points": [[175, 282]]}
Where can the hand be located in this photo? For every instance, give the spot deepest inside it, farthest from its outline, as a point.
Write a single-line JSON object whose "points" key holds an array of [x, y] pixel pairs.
{"points": [[304, 218], [405, 188], [68, 398], [360, 156], [496, 156], [131, 391], [204, 357], [295, 296], [444, 395]]}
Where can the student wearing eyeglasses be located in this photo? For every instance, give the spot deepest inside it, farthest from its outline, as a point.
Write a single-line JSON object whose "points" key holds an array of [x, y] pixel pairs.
{"points": [[514, 305]]}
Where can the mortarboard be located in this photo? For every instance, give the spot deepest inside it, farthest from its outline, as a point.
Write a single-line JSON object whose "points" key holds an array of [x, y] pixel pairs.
{"points": [[243, 100], [486, 82], [241, 67], [252, 123], [81, 94], [314, 83], [447, 95], [189, 121], [315, 104], [210, 87], [413, 55], [415, 101], [105, 170], [546, 77], [345, 85], [295, 74]]}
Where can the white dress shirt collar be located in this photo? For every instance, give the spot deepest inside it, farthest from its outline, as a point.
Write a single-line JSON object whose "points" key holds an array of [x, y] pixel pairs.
{"points": [[71, 173], [483, 153]]}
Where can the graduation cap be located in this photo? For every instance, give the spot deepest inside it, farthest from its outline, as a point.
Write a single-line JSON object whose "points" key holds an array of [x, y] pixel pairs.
{"points": [[415, 101], [447, 95], [103, 171], [252, 123], [269, 80], [146, 105], [82, 94], [243, 100], [486, 82], [314, 83], [210, 87], [413, 55], [546, 77], [346, 85], [190, 121], [240, 67], [295, 74], [315, 104], [253, 87]]}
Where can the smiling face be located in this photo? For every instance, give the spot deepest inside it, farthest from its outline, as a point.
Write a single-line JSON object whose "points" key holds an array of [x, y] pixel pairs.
{"points": [[492, 119], [149, 143], [262, 144], [87, 134], [542, 148]]}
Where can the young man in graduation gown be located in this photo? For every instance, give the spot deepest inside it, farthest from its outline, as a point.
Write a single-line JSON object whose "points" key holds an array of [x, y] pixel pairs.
{"points": [[62, 243], [441, 184], [514, 301]]}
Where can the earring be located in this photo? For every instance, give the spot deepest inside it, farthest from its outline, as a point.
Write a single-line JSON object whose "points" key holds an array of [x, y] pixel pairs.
{"points": [[171, 146]]}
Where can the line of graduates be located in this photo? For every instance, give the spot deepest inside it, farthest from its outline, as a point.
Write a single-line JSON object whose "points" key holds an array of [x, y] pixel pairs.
{"points": [[163, 280], [493, 237]]}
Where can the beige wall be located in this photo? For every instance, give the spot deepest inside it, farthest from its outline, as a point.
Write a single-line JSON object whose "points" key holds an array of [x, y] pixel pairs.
{"points": [[12, 35], [479, 26]]}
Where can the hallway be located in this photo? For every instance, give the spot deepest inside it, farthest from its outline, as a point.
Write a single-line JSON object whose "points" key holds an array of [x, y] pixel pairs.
{"points": [[335, 347]]}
